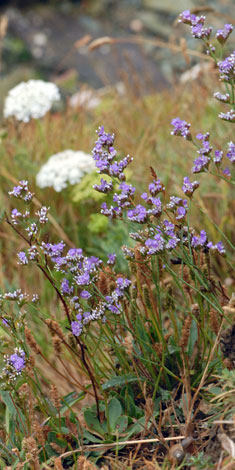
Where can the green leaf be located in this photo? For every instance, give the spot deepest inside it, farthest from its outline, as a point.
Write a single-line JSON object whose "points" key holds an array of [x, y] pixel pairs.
{"points": [[87, 435], [70, 400], [93, 422], [192, 337], [122, 424], [114, 412], [120, 380]]}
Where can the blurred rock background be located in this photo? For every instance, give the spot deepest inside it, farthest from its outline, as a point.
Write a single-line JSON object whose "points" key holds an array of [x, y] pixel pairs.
{"points": [[41, 39]]}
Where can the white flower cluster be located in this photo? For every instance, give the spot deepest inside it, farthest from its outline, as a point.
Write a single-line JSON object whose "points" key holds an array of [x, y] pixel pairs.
{"points": [[32, 99], [65, 168]]}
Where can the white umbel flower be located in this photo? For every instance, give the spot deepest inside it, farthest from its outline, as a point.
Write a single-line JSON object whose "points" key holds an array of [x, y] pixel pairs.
{"points": [[67, 167], [32, 99]]}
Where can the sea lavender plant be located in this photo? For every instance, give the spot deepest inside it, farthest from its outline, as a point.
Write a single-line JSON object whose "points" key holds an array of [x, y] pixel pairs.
{"points": [[151, 328]]}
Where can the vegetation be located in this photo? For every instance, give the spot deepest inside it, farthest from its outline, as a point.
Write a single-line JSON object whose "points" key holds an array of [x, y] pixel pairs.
{"points": [[117, 328]]}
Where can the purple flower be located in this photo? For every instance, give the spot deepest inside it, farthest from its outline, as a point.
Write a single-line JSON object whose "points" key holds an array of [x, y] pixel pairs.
{"points": [[203, 137], [181, 128], [187, 18], [174, 201], [65, 288], [84, 294], [231, 152], [223, 34], [127, 189], [227, 68], [42, 214], [226, 171], [168, 227], [219, 247], [123, 283], [104, 154], [53, 250], [229, 116], [218, 157], [155, 245], [23, 260], [111, 259], [155, 187], [138, 214], [188, 187], [111, 212], [17, 360], [200, 164], [157, 206], [199, 241], [172, 243], [15, 216], [104, 187], [181, 213], [22, 192], [223, 98], [76, 328], [83, 279], [199, 32]]}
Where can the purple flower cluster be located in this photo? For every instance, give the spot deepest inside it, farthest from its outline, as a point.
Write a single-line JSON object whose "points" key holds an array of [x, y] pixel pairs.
{"points": [[202, 241], [17, 216], [23, 260], [138, 214], [229, 116], [42, 215], [227, 68], [179, 206], [202, 162], [155, 245], [104, 155], [219, 247], [22, 192], [181, 128], [231, 152], [223, 34], [188, 187], [17, 360], [218, 157], [197, 25], [15, 363], [223, 98]]}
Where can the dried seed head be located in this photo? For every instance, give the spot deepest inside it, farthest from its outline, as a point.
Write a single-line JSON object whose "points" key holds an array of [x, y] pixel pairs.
{"points": [[71, 340], [146, 294], [55, 397], [38, 433], [102, 283], [195, 310], [141, 267], [128, 343], [133, 291], [31, 341], [187, 279], [57, 345], [158, 348], [214, 324], [58, 330], [185, 332]]}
